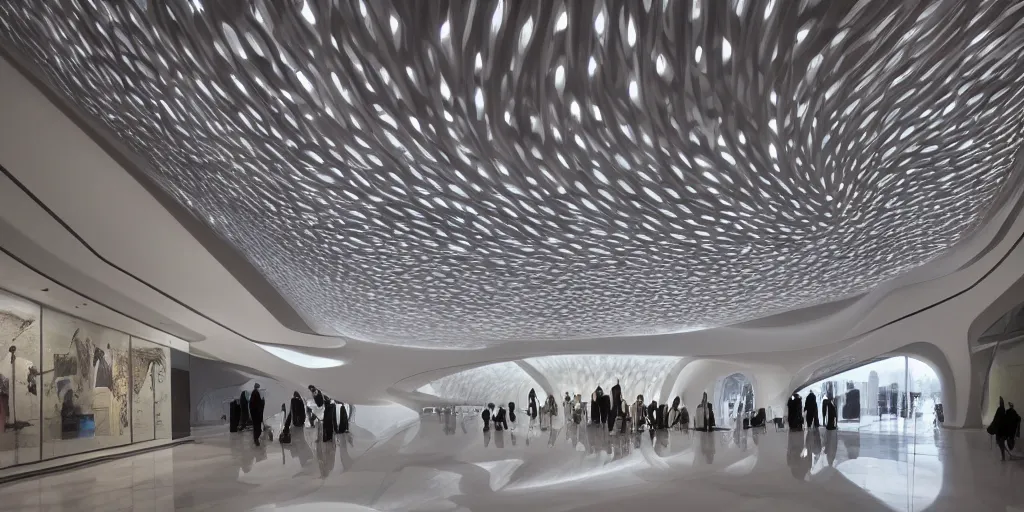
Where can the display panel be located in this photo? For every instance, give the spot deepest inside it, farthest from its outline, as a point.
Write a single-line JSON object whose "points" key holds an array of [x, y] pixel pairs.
{"points": [[151, 391], [86, 377], [19, 381]]}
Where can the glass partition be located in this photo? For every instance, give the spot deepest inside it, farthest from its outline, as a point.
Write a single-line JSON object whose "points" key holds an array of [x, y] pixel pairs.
{"points": [[19, 381], [85, 386], [69, 386], [885, 393]]}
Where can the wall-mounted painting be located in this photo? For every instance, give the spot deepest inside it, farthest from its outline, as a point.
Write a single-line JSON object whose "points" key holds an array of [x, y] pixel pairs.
{"points": [[19, 381], [151, 391], [85, 382]]}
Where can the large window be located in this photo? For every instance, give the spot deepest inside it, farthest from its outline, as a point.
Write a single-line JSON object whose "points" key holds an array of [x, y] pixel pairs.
{"points": [[886, 392]]}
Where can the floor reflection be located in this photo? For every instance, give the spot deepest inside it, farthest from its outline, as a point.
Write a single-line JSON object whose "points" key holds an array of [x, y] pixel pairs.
{"points": [[449, 463]]}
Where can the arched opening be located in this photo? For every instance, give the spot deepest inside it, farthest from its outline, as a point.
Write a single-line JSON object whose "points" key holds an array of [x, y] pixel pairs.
{"points": [[734, 396], [893, 392]]}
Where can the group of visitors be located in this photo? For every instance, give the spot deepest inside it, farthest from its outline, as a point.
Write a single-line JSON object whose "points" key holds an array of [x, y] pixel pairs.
{"points": [[247, 411], [800, 412], [331, 415], [621, 416], [499, 419], [609, 410], [1006, 427]]}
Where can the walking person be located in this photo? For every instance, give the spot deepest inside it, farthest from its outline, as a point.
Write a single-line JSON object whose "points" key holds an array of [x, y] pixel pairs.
{"points": [[1011, 428], [811, 410], [298, 410], [256, 404], [1000, 427]]}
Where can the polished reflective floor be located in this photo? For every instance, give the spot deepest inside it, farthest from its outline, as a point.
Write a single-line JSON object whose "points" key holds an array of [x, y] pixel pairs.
{"points": [[443, 464]]}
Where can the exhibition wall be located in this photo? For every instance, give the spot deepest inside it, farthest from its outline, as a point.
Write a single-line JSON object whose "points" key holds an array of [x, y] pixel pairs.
{"points": [[69, 386]]}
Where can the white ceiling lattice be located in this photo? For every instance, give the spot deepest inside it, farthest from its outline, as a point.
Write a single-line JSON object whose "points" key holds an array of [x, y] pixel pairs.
{"points": [[460, 174]]}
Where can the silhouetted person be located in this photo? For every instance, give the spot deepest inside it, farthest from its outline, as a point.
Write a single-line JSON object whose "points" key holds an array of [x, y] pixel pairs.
{"points": [[795, 414], [532, 406], [673, 413], [330, 419], [235, 412], [811, 410], [486, 417], [243, 403], [828, 409], [256, 404], [1012, 427], [318, 396], [606, 406], [499, 420], [341, 425], [1004, 426], [616, 406], [298, 411], [512, 417]]}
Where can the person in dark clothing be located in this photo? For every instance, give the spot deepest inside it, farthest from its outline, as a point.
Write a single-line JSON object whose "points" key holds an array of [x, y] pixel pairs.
{"points": [[318, 396], [512, 413], [531, 407], [595, 406], [1012, 424], [795, 414], [256, 404], [499, 420], [998, 428], [341, 427], [298, 411], [243, 403], [759, 419], [235, 413], [673, 413], [616, 406], [652, 412], [1006, 427], [330, 419], [486, 416], [606, 407], [828, 409], [811, 410]]}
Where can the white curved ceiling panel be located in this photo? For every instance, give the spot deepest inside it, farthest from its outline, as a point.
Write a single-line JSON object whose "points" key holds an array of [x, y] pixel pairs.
{"points": [[425, 173]]}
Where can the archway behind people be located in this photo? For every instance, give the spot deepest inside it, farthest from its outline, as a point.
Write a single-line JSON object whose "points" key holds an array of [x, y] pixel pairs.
{"points": [[895, 392], [734, 396]]}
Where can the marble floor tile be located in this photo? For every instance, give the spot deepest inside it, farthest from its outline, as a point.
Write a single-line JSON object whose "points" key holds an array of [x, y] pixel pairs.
{"points": [[441, 465]]}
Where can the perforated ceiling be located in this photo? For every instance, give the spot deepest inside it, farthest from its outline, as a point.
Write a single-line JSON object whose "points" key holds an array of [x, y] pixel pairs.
{"points": [[465, 173]]}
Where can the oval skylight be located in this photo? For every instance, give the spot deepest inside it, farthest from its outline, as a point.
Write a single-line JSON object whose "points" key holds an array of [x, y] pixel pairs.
{"points": [[300, 359]]}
